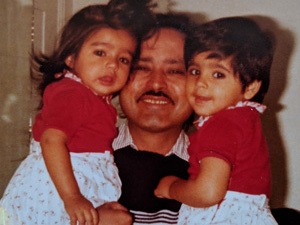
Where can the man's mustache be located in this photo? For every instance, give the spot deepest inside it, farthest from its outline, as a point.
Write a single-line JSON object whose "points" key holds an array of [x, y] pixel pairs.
{"points": [[158, 94]]}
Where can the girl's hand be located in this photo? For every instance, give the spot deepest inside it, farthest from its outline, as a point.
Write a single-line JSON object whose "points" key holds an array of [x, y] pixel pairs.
{"points": [[80, 210], [113, 213], [163, 188]]}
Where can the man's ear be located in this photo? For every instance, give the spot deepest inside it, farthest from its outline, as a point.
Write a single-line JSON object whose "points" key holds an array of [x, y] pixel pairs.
{"points": [[69, 61], [252, 89]]}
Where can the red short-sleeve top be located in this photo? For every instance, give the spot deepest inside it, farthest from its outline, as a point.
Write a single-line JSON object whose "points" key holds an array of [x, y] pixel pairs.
{"points": [[88, 120], [234, 135]]}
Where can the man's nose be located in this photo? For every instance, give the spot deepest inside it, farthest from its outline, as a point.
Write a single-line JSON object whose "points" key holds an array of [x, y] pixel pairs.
{"points": [[158, 80]]}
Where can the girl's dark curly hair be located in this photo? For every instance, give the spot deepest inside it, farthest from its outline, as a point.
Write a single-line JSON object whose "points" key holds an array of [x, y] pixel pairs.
{"points": [[134, 16], [239, 37]]}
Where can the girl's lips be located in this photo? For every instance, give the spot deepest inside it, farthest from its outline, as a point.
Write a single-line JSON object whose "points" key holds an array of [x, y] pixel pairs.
{"points": [[107, 80], [200, 99]]}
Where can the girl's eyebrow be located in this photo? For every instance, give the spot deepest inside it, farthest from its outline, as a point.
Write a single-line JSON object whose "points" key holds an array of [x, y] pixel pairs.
{"points": [[214, 55], [219, 58], [98, 43], [215, 64], [224, 68]]}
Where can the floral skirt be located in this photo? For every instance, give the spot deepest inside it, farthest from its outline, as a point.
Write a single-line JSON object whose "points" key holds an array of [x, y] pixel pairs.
{"points": [[236, 209], [31, 197]]}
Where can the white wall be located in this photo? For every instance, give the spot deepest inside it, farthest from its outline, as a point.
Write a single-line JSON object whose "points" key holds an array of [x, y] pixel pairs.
{"points": [[281, 125]]}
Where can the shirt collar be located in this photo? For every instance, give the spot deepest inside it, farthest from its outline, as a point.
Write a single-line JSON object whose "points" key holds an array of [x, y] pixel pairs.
{"points": [[258, 106], [72, 76], [125, 139]]}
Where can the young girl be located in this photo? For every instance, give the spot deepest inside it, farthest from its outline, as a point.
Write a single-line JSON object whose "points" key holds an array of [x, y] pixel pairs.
{"points": [[229, 64], [70, 168]]}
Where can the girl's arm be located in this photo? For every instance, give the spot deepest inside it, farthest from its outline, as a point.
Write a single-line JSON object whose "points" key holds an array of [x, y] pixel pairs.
{"points": [[208, 189], [58, 163]]}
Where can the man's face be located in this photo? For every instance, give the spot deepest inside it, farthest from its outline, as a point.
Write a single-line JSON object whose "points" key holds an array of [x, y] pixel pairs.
{"points": [[154, 98]]}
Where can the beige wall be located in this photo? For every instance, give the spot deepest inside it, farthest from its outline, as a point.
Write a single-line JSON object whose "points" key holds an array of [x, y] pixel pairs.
{"points": [[15, 89]]}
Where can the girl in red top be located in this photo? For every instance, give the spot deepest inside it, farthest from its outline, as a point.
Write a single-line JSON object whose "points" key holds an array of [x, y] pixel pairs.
{"points": [[70, 169], [228, 74]]}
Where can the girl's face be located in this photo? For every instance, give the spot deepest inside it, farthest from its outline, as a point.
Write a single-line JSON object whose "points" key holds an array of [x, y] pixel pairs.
{"points": [[212, 85], [104, 60]]}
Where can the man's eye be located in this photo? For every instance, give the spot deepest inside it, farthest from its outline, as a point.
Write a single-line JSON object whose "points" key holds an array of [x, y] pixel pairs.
{"points": [[142, 68], [194, 72], [177, 71], [218, 75], [100, 53]]}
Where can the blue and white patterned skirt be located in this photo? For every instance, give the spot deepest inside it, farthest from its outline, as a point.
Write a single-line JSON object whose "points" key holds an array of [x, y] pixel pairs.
{"points": [[31, 197], [236, 209]]}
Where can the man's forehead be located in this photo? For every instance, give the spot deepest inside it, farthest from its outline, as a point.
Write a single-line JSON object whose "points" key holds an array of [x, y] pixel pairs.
{"points": [[167, 45], [163, 38], [167, 60]]}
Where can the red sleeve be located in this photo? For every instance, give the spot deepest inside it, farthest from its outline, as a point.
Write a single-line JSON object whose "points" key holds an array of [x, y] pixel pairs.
{"points": [[62, 109], [219, 137]]}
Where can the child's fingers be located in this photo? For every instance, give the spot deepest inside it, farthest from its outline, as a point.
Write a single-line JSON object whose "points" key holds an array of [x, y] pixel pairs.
{"points": [[90, 217], [81, 218], [95, 216], [73, 220], [87, 219]]}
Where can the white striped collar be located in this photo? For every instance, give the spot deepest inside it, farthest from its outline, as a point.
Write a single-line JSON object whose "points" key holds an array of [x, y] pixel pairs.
{"points": [[255, 105], [125, 139]]}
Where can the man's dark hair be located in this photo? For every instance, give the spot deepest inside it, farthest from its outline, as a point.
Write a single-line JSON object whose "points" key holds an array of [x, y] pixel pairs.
{"points": [[176, 21], [134, 16]]}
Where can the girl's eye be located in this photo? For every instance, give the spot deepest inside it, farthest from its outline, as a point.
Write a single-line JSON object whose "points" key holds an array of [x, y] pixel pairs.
{"points": [[194, 72], [100, 53], [125, 60], [218, 75]]}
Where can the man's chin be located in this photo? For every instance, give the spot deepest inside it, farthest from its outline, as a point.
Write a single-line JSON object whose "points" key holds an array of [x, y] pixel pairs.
{"points": [[154, 124]]}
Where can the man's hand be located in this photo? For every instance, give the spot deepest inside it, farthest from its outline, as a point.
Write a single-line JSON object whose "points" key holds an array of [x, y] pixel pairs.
{"points": [[113, 213]]}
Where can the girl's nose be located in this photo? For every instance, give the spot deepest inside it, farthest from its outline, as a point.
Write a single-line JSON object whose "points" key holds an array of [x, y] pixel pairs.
{"points": [[112, 63], [201, 82]]}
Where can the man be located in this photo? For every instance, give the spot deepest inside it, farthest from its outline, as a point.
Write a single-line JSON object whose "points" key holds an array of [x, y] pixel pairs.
{"points": [[156, 108]]}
